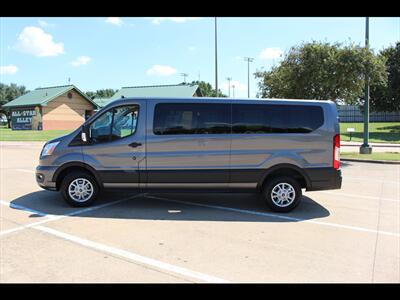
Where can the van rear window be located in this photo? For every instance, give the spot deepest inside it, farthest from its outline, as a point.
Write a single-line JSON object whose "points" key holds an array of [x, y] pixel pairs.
{"points": [[276, 118]]}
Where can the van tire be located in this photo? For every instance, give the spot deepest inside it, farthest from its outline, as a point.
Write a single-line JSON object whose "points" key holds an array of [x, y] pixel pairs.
{"points": [[289, 185], [79, 178]]}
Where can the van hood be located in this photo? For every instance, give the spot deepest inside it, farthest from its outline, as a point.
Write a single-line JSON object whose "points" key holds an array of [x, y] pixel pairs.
{"points": [[66, 137]]}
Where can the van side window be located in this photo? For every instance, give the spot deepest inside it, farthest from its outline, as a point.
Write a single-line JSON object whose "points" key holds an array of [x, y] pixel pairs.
{"points": [[191, 118], [276, 118], [114, 124]]}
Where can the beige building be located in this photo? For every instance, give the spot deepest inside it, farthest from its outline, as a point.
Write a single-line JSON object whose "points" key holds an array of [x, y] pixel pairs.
{"points": [[51, 108]]}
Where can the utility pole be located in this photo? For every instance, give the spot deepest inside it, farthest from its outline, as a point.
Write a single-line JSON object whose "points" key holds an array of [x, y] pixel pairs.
{"points": [[69, 80], [233, 89], [249, 60], [365, 148], [216, 59], [229, 86], [184, 76]]}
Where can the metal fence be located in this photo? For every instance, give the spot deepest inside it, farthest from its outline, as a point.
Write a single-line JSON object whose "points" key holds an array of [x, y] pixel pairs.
{"points": [[352, 113]]}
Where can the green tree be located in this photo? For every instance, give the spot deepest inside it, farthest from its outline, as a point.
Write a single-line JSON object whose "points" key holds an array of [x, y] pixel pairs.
{"points": [[319, 70], [9, 93], [103, 93], [91, 95], [207, 90], [386, 96]]}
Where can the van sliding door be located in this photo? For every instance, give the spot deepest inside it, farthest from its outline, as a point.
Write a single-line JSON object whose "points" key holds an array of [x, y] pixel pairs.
{"points": [[188, 145]]}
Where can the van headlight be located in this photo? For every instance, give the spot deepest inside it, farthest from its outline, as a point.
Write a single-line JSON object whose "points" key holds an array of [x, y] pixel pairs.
{"points": [[49, 148]]}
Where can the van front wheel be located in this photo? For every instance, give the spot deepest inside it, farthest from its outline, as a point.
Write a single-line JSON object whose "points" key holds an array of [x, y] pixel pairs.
{"points": [[282, 194], [79, 189]]}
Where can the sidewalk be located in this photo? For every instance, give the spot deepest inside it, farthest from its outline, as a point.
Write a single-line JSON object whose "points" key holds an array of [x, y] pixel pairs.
{"points": [[376, 147]]}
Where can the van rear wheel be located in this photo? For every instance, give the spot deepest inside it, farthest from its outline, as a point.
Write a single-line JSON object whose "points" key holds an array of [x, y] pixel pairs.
{"points": [[282, 194], [79, 189]]}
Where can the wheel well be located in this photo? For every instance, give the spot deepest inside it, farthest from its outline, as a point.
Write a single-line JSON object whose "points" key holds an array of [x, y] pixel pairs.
{"points": [[284, 171], [68, 170]]}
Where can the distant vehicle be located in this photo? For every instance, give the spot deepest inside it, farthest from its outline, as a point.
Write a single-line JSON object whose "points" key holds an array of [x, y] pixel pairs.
{"points": [[3, 120], [274, 147]]}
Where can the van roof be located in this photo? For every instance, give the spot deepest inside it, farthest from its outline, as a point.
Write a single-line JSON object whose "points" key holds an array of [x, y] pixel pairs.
{"points": [[220, 99]]}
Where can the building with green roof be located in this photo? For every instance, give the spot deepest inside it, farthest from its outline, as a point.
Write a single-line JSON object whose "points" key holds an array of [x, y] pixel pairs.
{"points": [[50, 108], [100, 102], [172, 90]]}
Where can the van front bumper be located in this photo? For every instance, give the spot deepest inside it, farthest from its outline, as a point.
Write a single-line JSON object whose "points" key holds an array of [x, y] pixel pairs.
{"points": [[324, 179], [44, 176]]}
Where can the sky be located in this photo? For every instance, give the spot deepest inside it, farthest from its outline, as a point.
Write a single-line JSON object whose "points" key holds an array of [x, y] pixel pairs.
{"points": [[112, 52]]}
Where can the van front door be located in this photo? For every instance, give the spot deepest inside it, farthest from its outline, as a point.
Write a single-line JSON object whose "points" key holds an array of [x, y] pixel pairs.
{"points": [[116, 148]]}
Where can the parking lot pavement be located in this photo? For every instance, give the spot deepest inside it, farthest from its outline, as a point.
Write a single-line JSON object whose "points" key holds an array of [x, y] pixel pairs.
{"points": [[347, 235]]}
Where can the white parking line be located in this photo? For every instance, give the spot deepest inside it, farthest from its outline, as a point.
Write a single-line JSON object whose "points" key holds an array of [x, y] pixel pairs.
{"points": [[358, 196], [104, 248], [272, 215], [133, 256], [13, 205], [54, 217]]}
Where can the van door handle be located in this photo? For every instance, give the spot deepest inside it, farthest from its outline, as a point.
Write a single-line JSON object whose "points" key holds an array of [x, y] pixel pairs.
{"points": [[135, 144]]}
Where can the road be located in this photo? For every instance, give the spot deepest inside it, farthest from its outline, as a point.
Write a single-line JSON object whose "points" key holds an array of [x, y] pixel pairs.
{"points": [[347, 235]]}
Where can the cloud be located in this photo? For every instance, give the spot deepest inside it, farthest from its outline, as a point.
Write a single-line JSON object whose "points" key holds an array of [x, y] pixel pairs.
{"points": [[159, 70], [191, 48], [238, 86], [158, 20], [81, 60], [114, 20], [271, 53], [33, 40], [9, 70], [43, 23]]}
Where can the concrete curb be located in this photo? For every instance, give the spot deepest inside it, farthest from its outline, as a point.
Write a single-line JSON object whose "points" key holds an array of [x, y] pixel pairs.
{"points": [[389, 162]]}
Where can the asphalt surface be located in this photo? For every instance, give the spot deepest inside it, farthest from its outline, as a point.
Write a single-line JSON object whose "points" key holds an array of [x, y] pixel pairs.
{"points": [[347, 235]]}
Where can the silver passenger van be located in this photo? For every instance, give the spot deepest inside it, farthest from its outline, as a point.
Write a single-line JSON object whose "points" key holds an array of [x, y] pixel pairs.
{"points": [[270, 146]]}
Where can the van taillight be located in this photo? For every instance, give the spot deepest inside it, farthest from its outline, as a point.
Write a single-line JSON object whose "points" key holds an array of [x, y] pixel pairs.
{"points": [[336, 151]]}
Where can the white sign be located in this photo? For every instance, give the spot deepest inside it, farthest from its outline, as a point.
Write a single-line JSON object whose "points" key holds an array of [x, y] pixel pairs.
{"points": [[350, 130]]}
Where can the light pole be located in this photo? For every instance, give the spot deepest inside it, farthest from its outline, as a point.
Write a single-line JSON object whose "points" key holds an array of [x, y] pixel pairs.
{"points": [[249, 60], [216, 59], [365, 148], [184, 76], [233, 90], [229, 86]]}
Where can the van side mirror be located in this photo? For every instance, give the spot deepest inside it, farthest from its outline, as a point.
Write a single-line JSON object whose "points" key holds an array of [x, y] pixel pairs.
{"points": [[85, 134]]}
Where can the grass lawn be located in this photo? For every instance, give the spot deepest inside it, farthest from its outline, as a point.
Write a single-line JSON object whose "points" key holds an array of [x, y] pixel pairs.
{"points": [[372, 156], [378, 132], [7, 134]]}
